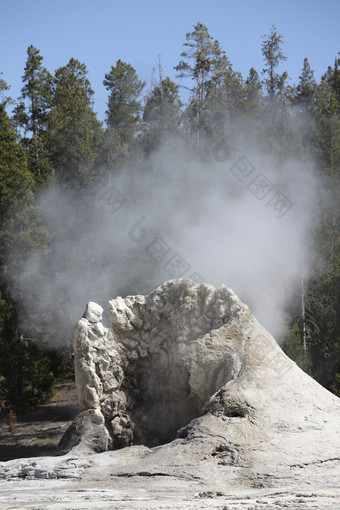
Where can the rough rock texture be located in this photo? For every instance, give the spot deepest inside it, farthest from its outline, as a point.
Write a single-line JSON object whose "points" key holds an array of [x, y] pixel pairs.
{"points": [[99, 361], [190, 360], [152, 373], [176, 358], [189, 366]]}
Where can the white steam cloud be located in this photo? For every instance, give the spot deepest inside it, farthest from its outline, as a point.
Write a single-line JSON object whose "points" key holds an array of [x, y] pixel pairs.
{"points": [[245, 221]]}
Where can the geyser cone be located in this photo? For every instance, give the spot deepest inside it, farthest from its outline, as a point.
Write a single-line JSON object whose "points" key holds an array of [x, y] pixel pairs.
{"points": [[191, 360]]}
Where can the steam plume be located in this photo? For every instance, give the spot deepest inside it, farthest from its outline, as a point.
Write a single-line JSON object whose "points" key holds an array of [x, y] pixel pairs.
{"points": [[243, 219]]}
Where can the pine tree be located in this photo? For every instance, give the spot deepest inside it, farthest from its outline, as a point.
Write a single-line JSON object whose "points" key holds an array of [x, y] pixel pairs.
{"points": [[233, 94], [328, 119], [205, 63], [253, 86], [305, 95], [322, 291], [281, 131], [75, 134], [332, 78], [36, 90], [123, 114], [24, 373], [162, 112], [200, 50], [3, 88], [17, 210], [225, 98], [273, 57], [326, 287], [31, 113]]}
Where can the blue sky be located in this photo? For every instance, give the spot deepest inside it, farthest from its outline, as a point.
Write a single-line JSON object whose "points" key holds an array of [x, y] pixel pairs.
{"points": [[100, 32]]}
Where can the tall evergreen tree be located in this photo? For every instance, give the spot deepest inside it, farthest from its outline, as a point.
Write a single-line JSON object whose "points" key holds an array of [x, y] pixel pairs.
{"points": [[18, 220], [124, 107], [75, 133], [23, 375], [3, 88], [31, 112], [253, 86], [205, 63], [328, 120], [281, 131], [225, 97], [322, 291], [332, 78], [326, 345], [305, 101], [305, 95], [36, 90], [162, 112], [248, 113], [273, 57], [233, 94]]}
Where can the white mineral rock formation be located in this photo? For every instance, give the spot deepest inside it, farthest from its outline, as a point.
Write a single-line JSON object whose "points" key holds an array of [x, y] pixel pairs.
{"points": [[103, 424], [207, 403], [190, 361]]}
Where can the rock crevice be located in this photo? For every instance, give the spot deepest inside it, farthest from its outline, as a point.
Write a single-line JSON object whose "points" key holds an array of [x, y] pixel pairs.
{"points": [[154, 370], [190, 368]]}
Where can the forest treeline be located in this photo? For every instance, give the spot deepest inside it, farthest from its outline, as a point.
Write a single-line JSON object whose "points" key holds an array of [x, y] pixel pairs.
{"points": [[52, 135]]}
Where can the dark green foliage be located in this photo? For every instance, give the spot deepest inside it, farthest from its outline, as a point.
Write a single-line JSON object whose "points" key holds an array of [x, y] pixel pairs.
{"points": [[123, 115], [20, 228], [25, 367], [205, 63], [31, 113], [273, 56], [294, 349], [15, 179], [75, 135], [162, 113], [36, 90], [332, 78], [323, 290], [305, 95], [3, 88], [253, 88], [25, 377]]}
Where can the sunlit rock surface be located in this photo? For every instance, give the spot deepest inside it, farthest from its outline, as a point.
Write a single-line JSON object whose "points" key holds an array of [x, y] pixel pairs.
{"points": [[193, 405], [190, 365]]}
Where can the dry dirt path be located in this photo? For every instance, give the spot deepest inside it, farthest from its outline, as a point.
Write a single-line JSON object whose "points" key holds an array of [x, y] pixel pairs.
{"points": [[39, 432]]}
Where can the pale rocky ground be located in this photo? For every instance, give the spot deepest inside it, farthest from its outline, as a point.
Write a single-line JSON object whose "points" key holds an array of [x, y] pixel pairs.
{"points": [[254, 431]]}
